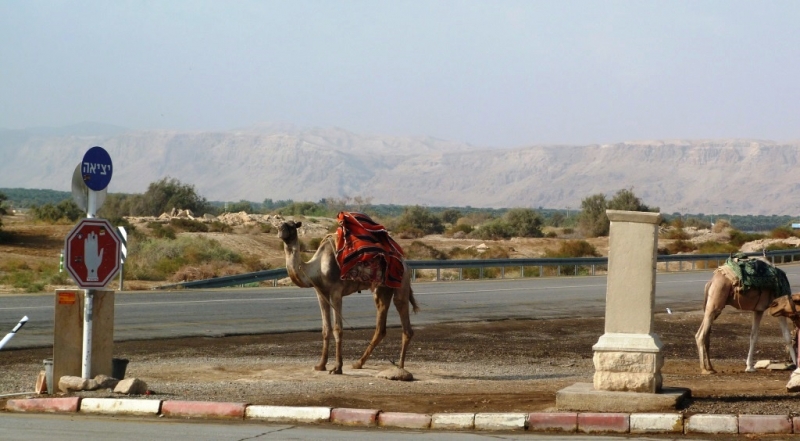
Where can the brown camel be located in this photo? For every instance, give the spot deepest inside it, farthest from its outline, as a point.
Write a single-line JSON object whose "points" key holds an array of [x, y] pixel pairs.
{"points": [[322, 273], [719, 292]]}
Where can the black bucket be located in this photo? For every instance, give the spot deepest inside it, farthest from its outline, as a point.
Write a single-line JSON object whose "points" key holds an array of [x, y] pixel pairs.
{"points": [[118, 366]]}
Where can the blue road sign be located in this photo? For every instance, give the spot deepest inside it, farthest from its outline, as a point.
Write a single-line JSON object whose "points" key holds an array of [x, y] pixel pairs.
{"points": [[96, 168]]}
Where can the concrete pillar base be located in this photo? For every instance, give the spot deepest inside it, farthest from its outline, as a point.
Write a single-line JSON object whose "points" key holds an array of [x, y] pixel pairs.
{"points": [[583, 397], [628, 363]]}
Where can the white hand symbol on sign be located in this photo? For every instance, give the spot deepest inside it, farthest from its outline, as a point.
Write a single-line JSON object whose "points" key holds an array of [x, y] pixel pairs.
{"points": [[90, 256]]}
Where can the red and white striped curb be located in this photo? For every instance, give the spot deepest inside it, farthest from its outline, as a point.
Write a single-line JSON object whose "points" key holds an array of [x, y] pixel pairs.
{"points": [[585, 422]]}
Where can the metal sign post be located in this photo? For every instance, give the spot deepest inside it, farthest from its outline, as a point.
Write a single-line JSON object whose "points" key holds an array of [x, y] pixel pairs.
{"points": [[90, 241]]}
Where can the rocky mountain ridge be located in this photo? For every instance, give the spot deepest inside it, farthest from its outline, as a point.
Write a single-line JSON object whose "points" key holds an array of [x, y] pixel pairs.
{"points": [[284, 162]]}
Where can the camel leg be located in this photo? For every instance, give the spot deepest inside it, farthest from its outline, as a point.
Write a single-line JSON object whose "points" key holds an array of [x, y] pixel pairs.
{"points": [[402, 306], [787, 337], [336, 304], [712, 310], [325, 310], [757, 316], [382, 296]]}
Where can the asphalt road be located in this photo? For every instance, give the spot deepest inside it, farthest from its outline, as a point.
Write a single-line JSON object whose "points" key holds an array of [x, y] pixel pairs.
{"points": [[227, 311], [19, 427]]}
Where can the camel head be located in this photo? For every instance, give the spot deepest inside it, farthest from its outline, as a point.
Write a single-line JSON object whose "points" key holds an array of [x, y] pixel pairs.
{"points": [[780, 307], [287, 231]]}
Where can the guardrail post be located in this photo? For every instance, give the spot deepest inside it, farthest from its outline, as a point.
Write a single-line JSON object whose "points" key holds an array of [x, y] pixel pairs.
{"points": [[438, 274], [522, 272], [593, 269], [414, 275], [502, 272], [461, 274], [480, 275], [541, 270]]}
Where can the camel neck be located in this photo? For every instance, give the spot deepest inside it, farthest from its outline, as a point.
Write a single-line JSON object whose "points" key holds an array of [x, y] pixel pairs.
{"points": [[295, 266]]}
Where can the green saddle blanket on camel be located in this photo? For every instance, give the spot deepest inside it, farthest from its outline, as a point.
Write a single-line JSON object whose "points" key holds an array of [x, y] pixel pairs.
{"points": [[758, 275]]}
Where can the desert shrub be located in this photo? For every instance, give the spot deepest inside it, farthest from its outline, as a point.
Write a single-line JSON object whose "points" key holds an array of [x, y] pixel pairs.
{"points": [[681, 246], [253, 263], [457, 253], [778, 246], [551, 235], [675, 233], [494, 230], [739, 238], [572, 248], [782, 233], [568, 231], [159, 258], [30, 278], [422, 251], [495, 253], [418, 220], [713, 247], [160, 231], [462, 228], [219, 227], [524, 222], [720, 225], [450, 216], [189, 225]]}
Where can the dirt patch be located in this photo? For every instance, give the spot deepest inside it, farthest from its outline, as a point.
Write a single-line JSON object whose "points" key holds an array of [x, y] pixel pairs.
{"points": [[499, 366]]}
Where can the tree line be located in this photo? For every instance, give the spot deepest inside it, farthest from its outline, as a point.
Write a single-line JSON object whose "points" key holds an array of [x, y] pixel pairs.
{"points": [[411, 221]]}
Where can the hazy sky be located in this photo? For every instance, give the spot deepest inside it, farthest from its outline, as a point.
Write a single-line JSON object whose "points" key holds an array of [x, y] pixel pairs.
{"points": [[491, 73]]}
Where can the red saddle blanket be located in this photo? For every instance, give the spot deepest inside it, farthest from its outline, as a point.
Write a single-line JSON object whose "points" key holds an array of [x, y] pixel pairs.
{"points": [[366, 253]]}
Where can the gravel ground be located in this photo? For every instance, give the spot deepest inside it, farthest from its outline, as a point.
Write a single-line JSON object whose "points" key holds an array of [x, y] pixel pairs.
{"points": [[502, 366]]}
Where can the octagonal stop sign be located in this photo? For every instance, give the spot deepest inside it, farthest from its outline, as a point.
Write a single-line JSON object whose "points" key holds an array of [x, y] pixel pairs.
{"points": [[91, 253]]}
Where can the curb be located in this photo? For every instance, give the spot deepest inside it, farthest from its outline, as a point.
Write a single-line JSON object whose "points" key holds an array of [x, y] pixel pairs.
{"points": [[564, 422], [203, 409]]}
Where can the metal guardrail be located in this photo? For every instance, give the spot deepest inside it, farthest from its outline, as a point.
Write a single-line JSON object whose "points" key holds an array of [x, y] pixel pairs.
{"points": [[438, 265]]}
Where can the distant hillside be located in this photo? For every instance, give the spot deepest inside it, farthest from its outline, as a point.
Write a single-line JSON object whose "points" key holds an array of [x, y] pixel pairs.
{"points": [[283, 162]]}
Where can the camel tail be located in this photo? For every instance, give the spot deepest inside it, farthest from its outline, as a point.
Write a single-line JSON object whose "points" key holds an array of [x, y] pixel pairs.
{"points": [[412, 301]]}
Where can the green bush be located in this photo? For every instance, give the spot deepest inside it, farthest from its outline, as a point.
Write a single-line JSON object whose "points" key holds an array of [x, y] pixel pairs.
{"points": [[219, 227], [418, 221], [158, 258], [739, 238], [188, 225], [464, 228], [64, 211], [159, 231], [494, 230]]}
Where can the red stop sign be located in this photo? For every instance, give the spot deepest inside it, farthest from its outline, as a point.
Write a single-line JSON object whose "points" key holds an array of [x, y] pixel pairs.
{"points": [[91, 253]]}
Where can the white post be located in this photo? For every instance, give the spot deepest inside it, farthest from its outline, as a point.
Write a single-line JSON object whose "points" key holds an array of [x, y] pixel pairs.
{"points": [[86, 369], [13, 332], [91, 204]]}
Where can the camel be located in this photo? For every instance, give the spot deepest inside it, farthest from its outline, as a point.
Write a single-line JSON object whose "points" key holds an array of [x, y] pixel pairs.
{"points": [[719, 292], [322, 273]]}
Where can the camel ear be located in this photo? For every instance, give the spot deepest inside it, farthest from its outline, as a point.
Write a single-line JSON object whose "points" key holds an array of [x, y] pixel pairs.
{"points": [[298, 224]]}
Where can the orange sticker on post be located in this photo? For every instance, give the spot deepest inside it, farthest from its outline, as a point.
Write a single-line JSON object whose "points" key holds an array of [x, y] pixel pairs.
{"points": [[66, 298]]}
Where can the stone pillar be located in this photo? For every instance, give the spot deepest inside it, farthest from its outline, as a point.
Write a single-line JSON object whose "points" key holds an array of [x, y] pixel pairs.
{"points": [[628, 356]]}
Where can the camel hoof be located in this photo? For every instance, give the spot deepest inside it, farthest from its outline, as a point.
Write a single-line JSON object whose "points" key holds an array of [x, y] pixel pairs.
{"points": [[319, 368], [708, 371], [750, 370], [398, 374], [357, 365], [335, 371]]}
